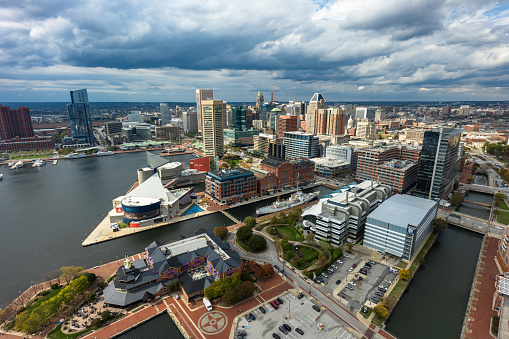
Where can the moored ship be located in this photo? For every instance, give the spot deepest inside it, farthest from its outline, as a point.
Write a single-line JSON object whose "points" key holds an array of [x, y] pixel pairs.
{"points": [[103, 153], [75, 156], [296, 199]]}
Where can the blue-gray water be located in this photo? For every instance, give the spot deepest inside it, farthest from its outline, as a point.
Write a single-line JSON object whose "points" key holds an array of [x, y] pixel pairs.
{"points": [[160, 327], [46, 213], [435, 302], [474, 209]]}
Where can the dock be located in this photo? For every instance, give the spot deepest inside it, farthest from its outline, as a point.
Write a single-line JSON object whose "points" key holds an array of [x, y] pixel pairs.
{"points": [[237, 221]]}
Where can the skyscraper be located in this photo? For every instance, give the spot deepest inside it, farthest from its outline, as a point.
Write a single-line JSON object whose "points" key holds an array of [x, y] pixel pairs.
{"points": [[202, 94], [165, 113], [15, 123], [212, 122], [79, 117], [190, 121], [316, 103], [438, 162], [259, 99], [301, 145]]}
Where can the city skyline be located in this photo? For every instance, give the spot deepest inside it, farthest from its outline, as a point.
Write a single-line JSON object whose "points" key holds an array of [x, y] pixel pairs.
{"points": [[153, 51]]}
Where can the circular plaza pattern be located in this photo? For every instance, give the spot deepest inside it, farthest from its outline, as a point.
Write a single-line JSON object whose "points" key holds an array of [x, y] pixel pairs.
{"points": [[212, 322]]}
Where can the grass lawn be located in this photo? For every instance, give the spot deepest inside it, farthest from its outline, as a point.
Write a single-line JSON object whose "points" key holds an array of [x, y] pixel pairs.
{"points": [[290, 232], [32, 306], [503, 217], [57, 334], [402, 265], [376, 321], [310, 256], [502, 205], [367, 314]]}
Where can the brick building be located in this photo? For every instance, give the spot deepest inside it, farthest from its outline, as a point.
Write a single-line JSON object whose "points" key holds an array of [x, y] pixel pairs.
{"points": [[25, 144], [289, 173], [287, 123], [15, 123], [230, 186], [503, 252], [400, 175]]}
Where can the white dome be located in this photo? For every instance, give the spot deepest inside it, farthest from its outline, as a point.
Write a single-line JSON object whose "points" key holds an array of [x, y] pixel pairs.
{"points": [[350, 122]]}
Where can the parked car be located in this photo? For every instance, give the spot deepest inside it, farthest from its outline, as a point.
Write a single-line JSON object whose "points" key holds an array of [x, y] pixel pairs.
{"points": [[350, 287], [354, 265], [251, 315], [282, 329], [279, 300], [346, 255], [276, 267], [334, 266], [299, 331], [247, 318], [371, 262], [316, 308], [388, 281], [287, 327], [339, 262], [274, 305], [367, 266], [241, 333], [262, 309], [363, 272], [361, 278], [380, 294], [300, 296], [350, 269], [375, 299], [325, 275], [352, 283], [276, 336], [276, 302], [320, 280], [338, 281]]}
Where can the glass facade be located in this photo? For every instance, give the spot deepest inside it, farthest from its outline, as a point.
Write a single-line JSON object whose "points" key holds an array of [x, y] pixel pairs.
{"points": [[79, 117]]}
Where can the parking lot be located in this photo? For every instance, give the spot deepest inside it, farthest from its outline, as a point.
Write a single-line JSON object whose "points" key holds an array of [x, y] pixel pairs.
{"points": [[302, 315], [364, 289]]}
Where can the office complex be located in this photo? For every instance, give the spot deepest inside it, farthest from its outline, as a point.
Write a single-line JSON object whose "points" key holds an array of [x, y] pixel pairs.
{"points": [[167, 132], [238, 138], [400, 225], [165, 113], [113, 128], [212, 122], [379, 115], [79, 117], [336, 121], [439, 163], [400, 175], [289, 173], [330, 167], [15, 123], [366, 130], [365, 113], [231, 185], [190, 121], [316, 103], [341, 217], [202, 94], [301, 145], [262, 141], [287, 123], [345, 153]]}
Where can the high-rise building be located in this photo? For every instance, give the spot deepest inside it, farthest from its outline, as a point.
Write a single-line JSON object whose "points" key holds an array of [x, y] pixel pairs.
{"points": [[259, 99], [135, 116], [202, 94], [79, 117], [336, 121], [15, 123], [365, 113], [438, 163], [212, 123], [113, 128], [379, 115], [316, 103], [239, 115], [347, 154], [258, 124], [446, 110], [165, 113], [190, 121], [287, 123], [274, 119], [301, 145], [262, 142]]}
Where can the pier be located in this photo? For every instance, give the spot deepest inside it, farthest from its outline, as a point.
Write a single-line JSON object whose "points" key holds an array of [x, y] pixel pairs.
{"points": [[237, 221]]}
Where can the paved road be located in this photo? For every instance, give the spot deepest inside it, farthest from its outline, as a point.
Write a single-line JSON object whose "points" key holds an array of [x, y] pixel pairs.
{"points": [[471, 222], [343, 316]]}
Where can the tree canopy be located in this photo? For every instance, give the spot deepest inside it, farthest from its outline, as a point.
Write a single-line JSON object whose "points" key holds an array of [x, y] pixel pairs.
{"points": [[257, 243], [244, 233], [405, 274], [221, 232], [250, 222]]}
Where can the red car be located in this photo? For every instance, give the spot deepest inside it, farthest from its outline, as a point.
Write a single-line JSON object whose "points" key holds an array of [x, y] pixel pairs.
{"points": [[273, 304], [354, 265]]}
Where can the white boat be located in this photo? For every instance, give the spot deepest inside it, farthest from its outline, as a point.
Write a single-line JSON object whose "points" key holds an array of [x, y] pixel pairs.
{"points": [[11, 164], [296, 199], [39, 163], [75, 156], [17, 165], [1, 176], [103, 153], [55, 162]]}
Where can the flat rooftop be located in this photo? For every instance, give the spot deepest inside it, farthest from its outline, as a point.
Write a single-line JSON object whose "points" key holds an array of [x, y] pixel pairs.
{"points": [[403, 210]]}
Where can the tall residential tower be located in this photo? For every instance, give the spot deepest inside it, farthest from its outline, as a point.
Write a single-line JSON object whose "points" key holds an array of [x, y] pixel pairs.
{"points": [[212, 122], [79, 117], [202, 94]]}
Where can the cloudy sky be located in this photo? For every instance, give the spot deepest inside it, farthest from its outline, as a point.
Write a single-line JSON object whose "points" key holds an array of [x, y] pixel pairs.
{"points": [[150, 50]]}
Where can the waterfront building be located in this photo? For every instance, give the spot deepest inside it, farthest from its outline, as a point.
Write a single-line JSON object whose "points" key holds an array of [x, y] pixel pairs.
{"points": [[113, 128], [231, 185], [79, 117], [195, 263], [287, 123], [165, 113], [15, 123], [289, 173], [167, 132], [400, 225], [190, 121], [330, 167], [202, 94], [26, 144], [438, 163], [316, 103], [341, 216], [503, 251], [301, 145], [212, 127], [347, 154], [262, 141], [400, 175]]}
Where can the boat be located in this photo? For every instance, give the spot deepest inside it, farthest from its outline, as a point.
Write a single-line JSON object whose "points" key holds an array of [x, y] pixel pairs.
{"points": [[39, 163], [1, 176], [11, 164], [296, 199], [103, 153], [75, 156], [55, 162], [17, 165]]}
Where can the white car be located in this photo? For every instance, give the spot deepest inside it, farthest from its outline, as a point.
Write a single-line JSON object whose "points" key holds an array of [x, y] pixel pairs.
{"points": [[352, 283], [324, 275], [351, 269], [346, 256], [388, 281], [339, 262], [334, 266]]}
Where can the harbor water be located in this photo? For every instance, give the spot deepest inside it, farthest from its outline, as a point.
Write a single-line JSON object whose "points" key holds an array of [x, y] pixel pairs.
{"points": [[46, 212], [160, 327], [475, 210], [435, 303]]}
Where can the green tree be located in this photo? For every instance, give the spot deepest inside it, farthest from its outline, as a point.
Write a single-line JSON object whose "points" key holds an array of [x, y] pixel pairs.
{"points": [[381, 312], [244, 233], [295, 261], [456, 199], [257, 243], [322, 258], [90, 296], [106, 315], [349, 248], [80, 285], [405, 274], [250, 222], [439, 224], [470, 179], [221, 232], [306, 273], [71, 272], [310, 238]]}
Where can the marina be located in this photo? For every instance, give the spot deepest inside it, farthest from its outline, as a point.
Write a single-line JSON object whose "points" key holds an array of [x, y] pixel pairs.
{"points": [[296, 199]]}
